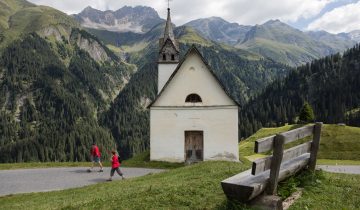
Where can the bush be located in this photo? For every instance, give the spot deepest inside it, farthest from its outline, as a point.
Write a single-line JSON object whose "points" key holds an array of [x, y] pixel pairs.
{"points": [[306, 114]]}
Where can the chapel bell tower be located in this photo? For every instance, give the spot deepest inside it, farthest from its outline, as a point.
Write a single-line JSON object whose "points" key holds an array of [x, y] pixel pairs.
{"points": [[168, 54]]}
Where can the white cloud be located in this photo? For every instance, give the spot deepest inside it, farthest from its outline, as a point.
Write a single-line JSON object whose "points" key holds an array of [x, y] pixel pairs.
{"points": [[241, 11], [341, 19], [259, 11]]}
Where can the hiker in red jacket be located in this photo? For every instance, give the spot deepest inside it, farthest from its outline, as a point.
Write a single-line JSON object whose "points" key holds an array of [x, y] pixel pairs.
{"points": [[95, 157], [115, 166]]}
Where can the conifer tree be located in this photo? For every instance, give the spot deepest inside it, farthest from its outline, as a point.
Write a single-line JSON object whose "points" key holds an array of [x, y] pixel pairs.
{"points": [[306, 113]]}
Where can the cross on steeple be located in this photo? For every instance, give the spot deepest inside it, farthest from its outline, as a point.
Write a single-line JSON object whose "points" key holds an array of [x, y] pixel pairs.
{"points": [[169, 3]]}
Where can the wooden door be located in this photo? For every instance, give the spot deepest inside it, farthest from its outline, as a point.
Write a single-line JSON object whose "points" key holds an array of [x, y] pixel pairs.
{"points": [[194, 149]]}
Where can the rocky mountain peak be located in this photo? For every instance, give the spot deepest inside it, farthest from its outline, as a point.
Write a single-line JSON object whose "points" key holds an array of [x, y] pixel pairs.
{"points": [[139, 19]]}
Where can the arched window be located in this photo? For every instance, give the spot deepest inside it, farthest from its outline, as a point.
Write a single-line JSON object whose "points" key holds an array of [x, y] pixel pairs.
{"points": [[172, 57], [193, 98], [164, 57]]}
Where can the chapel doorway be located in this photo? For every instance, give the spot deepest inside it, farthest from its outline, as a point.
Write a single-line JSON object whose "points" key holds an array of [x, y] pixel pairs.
{"points": [[194, 146]]}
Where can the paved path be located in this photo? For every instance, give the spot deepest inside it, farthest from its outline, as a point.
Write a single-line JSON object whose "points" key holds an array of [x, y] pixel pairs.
{"points": [[48, 179], [345, 169]]}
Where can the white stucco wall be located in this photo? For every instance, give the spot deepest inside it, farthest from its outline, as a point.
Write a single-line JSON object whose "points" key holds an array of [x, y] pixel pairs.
{"points": [[170, 116], [219, 126], [192, 77], [164, 73]]}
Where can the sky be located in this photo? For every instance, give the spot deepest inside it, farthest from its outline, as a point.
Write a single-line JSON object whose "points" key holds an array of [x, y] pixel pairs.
{"points": [[334, 16]]}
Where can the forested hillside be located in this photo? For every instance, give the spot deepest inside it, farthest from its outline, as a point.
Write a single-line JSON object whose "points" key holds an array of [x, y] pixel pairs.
{"points": [[55, 80], [49, 108], [331, 86]]}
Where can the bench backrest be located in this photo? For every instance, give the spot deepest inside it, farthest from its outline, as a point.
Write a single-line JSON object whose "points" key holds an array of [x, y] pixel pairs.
{"points": [[276, 143]]}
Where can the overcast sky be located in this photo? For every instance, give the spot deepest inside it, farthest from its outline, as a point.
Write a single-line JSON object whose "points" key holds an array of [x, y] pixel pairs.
{"points": [[331, 15]]}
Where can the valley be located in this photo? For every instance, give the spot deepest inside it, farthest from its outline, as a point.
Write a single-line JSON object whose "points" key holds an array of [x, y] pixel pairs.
{"points": [[67, 81]]}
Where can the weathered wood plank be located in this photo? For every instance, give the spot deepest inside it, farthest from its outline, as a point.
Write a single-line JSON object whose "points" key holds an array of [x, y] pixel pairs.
{"points": [[264, 144], [277, 156], [267, 202], [245, 188], [261, 165], [264, 164], [298, 133], [315, 146]]}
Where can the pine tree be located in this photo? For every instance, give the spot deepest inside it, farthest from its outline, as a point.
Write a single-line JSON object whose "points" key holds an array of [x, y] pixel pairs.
{"points": [[306, 113]]}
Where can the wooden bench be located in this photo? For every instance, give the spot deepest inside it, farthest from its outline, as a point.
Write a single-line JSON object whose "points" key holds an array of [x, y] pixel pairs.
{"points": [[267, 172]]}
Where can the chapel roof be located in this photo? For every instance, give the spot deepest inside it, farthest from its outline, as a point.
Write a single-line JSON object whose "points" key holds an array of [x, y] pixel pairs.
{"points": [[192, 49]]}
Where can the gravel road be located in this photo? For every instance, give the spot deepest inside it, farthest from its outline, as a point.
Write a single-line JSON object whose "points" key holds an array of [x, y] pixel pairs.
{"points": [[345, 169], [49, 179]]}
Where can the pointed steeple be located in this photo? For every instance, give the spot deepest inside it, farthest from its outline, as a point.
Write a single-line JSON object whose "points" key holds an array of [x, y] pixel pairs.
{"points": [[168, 45], [169, 33]]}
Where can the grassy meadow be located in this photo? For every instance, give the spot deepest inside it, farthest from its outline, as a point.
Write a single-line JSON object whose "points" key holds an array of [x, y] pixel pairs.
{"points": [[337, 143], [330, 191]]}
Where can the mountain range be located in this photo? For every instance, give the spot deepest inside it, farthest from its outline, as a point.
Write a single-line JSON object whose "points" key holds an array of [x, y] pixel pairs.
{"points": [[135, 19], [274, 39]]}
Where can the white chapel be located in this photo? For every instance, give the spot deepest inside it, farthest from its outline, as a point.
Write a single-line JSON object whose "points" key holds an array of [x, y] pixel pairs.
{"points": [[192, 118]]}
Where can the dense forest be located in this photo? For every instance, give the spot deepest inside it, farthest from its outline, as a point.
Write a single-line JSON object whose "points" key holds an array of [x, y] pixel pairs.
{"points": [[50, 97], [331, 86]]}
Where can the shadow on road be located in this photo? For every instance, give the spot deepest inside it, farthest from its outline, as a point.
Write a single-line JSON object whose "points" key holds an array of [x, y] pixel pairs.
{"points": [[82, 171]]}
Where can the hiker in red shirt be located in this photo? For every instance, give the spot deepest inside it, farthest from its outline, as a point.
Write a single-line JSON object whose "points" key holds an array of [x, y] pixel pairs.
{"points": [[95, 157], [115, 166]]}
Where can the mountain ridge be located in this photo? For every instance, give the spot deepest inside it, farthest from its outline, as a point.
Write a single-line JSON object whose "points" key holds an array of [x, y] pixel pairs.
{"points": [[139, 19]]}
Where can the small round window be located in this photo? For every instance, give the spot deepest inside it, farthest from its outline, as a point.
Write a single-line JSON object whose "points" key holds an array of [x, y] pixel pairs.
{"points": [[193, 98]]}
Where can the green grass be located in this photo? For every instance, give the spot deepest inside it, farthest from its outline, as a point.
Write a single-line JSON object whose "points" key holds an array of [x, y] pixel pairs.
{"points": [[191, 187], [246, 147], [190, 36], [330, 191], [323, 190], [337, 142], [278, 51], [340, 143], [10, 166], [143, 160]]}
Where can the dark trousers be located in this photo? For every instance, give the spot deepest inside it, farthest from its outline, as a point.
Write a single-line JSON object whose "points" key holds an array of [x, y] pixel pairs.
{"points": [[117, 170]]}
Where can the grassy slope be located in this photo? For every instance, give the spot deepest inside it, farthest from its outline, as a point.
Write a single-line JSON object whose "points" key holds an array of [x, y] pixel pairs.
{"points": [[333, 191], [192, 187], [246, 147], [337, 142], [8, 8], [22, 18], [281, 52], [340, 142]]}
